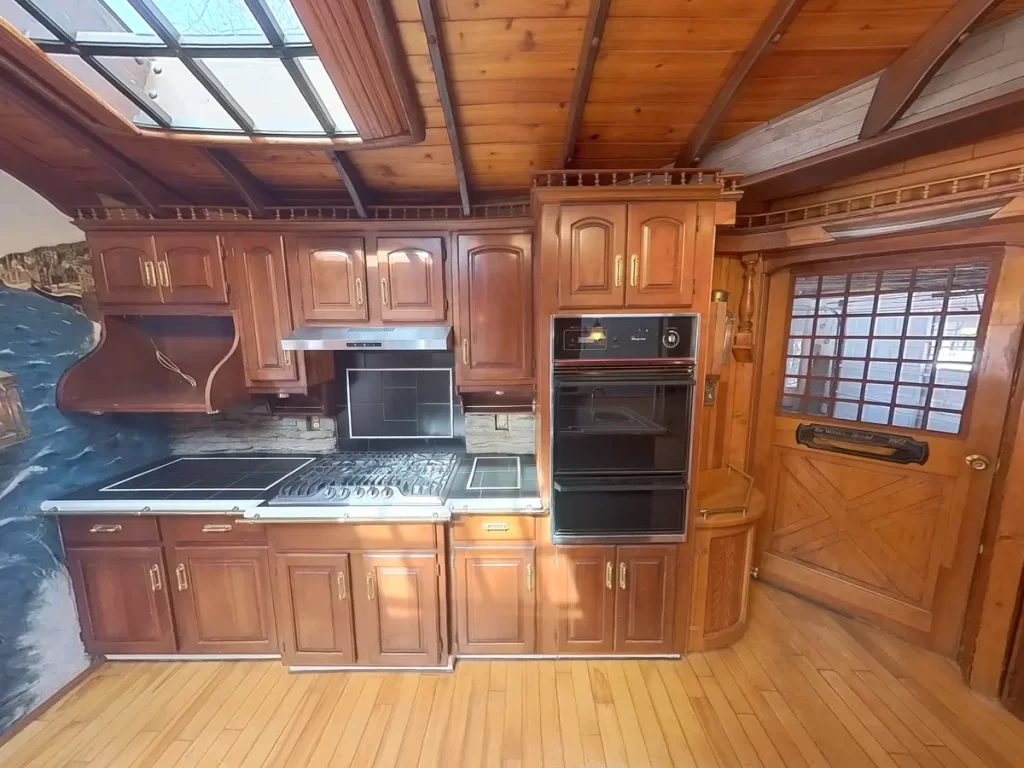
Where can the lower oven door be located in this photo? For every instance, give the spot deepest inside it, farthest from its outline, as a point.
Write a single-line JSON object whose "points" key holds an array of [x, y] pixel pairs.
{"points": [[601, 506]]}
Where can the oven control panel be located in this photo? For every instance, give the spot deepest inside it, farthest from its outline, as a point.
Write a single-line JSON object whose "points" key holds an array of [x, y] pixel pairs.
{"points": [[625, 337]]}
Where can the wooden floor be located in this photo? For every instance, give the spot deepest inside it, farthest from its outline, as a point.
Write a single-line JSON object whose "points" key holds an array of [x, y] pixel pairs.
{"points": [[803, 688]]}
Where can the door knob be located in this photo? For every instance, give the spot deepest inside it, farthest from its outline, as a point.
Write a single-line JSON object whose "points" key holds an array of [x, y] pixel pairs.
{"points": [[977, 462]]}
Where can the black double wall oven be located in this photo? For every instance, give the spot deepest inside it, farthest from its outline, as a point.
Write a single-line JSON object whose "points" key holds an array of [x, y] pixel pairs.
{"points": [[623, 389]]}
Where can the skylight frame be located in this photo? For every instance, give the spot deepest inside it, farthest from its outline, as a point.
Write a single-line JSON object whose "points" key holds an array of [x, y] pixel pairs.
{"points": [[189, 54]]}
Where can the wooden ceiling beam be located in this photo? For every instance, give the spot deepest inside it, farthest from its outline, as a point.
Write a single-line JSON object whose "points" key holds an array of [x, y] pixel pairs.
{"points": [[438, 57], [54, 186], [903, 80], [584, 73], [768, 35], [352, 180], [255, 193], [972, 123]]}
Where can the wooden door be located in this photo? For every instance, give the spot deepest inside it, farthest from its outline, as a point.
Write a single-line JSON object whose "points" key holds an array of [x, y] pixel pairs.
{"points": [[661, 240], [495, 331], [591, 256], [124, 267], [646, 598], [586, 621], [329, 278], [222, 599], [495, 600], [190, 269], [397, 609], [259, 282], [313, 598], [411, 279], [916, 350], [122, 599]]}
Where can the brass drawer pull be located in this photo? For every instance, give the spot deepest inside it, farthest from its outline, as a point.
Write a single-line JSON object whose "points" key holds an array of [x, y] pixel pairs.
{"points": [[154, 578], [634, 270], [359, 291], [103, 528], [342, 593], [496, 526], [622, 575], [217, 528], [529, 578], [369, 586], [620, 269], [164, 271], [180, 574], [609, 575], [384, 291]]}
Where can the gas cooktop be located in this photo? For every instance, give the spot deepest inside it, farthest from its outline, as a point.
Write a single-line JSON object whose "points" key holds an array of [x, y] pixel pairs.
{"points": [[371, 479]]}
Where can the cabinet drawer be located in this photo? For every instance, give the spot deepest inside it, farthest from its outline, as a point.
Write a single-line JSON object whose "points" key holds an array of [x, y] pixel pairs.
{"points": [[318, 537], [494, 528], [109, 529], [211, 529]]}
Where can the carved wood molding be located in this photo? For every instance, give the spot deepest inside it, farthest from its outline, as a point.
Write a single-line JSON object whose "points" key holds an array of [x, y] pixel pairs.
{"points": [[667, 177]]}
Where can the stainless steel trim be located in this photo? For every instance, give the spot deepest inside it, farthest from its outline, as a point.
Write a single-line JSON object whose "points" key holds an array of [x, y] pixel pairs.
{"points": [[191, 656], [392, 337], [654, 538], [541, 656], [365, 668]]}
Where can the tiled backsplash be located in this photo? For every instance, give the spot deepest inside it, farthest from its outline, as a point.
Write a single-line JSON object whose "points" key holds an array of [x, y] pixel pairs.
{"points": [[389, 402], [482, 437], [250, 428]]}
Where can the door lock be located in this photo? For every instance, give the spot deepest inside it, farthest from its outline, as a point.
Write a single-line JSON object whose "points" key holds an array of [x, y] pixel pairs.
{"points": [[978, 462]]}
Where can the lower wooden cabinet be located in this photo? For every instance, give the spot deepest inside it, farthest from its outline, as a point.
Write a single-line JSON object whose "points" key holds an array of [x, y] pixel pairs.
{"points": [[397, 612], [122, 598], [222, 599], [617, 599], [495, 600], [314, 609]]}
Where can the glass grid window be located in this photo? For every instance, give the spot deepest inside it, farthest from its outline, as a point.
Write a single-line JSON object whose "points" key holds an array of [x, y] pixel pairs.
{"points": [[893, 347], [191, 65]]}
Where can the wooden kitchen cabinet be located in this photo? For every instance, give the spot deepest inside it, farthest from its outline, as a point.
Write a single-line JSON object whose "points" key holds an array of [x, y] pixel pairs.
{"points": [[495, 600], [314, 608], [495, 327], [586, 622], [328, 273], [645, 604], [591, 255], [190, 269], [661, 242], [122, 598], [222, 599], [124, 267], [396, 599], [410, 276]]}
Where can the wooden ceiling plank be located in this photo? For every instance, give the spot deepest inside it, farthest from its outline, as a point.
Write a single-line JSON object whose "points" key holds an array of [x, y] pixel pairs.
{"points": [[252, 190], [436, 50], [352, 180], [968, 124], [62, 193], [766, 38], [584, 72], [903, 80]]}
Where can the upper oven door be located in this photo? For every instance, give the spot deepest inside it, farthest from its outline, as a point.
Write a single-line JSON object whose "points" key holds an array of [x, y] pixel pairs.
{"points": [[622, 420]]}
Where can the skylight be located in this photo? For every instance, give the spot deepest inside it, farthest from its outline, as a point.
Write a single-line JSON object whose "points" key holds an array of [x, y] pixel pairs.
{"points": [[210, 66]]}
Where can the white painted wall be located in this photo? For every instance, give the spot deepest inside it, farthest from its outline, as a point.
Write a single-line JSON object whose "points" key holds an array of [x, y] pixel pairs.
{"points": [[28, 221]]}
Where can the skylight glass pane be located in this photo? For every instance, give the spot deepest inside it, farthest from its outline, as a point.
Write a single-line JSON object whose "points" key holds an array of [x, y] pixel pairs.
{"points": [[111, 21], [175, 90], [291, 27], [99, 85], [321, 81], [251, 81], [213, 21], [23, 21]]}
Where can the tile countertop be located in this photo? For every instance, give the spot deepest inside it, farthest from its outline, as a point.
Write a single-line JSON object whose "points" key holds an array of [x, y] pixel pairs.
{"points": [[494, 485]]}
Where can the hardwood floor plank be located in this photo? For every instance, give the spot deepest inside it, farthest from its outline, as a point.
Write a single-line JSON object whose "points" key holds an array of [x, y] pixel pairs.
{"points": [[369, 744], [737, 700], [868, 718], [414, 739], [654, 739], [632, 734], [568, 720], [699, 664], [512, 734], [357, 723], [455, 737], [675, 740], [327, 743], [766, 751], [686, 715], [724, 753], [586, 714], [387, 757], [437, 725], [550, 727], [495, 729], [796, 730], [533, 749], [730, 723], [475, 725]]}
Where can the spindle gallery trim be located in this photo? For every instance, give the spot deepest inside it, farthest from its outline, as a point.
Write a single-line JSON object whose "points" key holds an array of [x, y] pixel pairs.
{"points": [[662, 177], [307, 213]]}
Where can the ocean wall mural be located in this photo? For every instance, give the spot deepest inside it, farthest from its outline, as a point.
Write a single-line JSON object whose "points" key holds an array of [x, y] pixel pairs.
{"points": [[44, 329]]}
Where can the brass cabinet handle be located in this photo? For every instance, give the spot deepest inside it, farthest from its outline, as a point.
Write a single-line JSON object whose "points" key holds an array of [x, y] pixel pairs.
{"points": [[179, 573], [495, 526], [359, 291], [149, 274], [465, 351], [620, 268], [164, 271], [384, 291], [217, 528], [154, 578], [101, 528], [622, 575], [529, 578], [342, 593], [609, 575], [977, 462], [634, 270], [369, 586]]}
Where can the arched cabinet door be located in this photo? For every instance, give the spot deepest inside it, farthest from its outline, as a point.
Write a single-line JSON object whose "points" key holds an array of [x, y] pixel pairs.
{"points": [[661, 240], [591, 256], [124, 266], [331, 272], [411, 279], [190, 268]]}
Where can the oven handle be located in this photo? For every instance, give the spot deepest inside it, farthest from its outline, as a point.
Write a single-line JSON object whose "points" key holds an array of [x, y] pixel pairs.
{"points": [[582, 486], [624, 380]]}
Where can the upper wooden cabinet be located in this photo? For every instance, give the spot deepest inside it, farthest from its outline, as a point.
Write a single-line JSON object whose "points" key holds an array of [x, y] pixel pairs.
{"points": [[495, 599], [411, 279], [495, 327], [329, 276], [171, 268], [618, 255]]}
